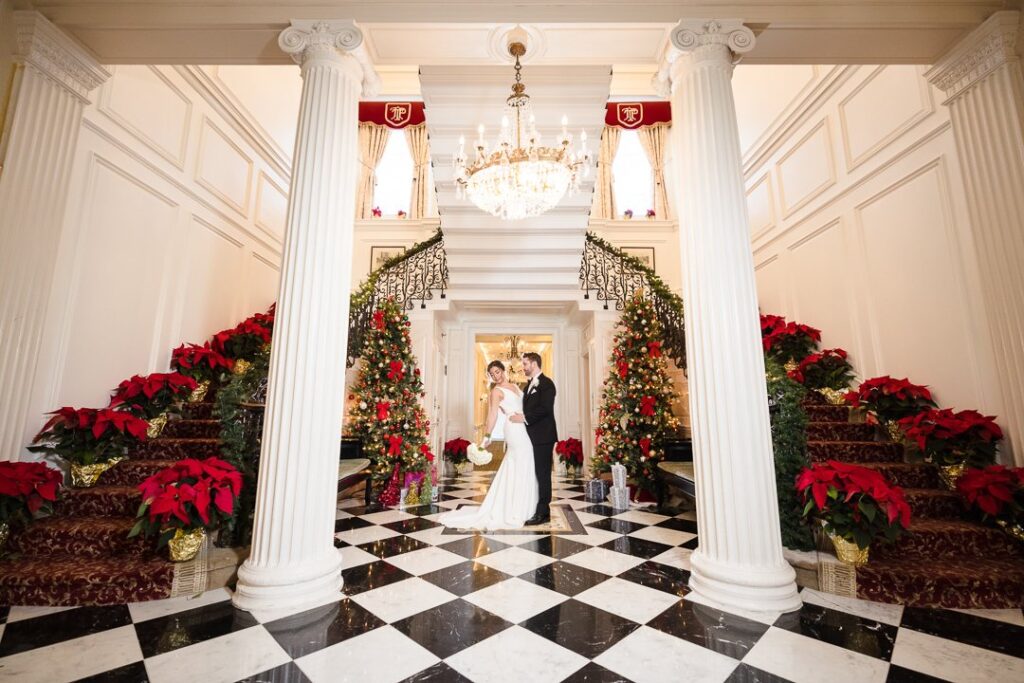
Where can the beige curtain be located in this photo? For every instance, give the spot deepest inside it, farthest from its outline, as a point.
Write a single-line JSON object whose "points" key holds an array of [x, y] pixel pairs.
{"points": [[654, 140], [604, 196], [419, 204], [372, 140]]}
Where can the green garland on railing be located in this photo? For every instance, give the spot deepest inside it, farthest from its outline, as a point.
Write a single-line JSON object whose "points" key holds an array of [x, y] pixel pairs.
{"points": [[658, 286], [789, 441], [362, 295]]}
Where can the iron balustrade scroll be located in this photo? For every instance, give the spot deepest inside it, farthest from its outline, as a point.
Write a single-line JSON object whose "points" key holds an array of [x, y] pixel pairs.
{"points": [[614, 276], [412, 276]]}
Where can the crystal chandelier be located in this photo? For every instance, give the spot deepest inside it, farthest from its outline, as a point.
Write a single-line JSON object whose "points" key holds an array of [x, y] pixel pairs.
{"points": [[518, 177]]}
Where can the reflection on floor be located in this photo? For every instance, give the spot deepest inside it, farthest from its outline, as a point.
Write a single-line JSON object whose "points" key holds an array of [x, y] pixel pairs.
{"points": [[608, 604]]}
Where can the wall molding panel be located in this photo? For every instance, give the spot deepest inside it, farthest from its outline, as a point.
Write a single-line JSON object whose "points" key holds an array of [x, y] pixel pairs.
{"points": [[812, 151], [215, 157]]}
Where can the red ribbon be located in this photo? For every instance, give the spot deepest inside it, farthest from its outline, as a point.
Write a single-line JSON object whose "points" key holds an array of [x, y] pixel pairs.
{"points": [[645, 447], [382, 411], [395, 447], [654, 348], [647, 405], [425, 450], [397, 371], [378, 320], [623, 368]]}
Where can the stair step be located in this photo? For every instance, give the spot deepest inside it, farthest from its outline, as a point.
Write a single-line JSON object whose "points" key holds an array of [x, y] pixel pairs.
{"points": [[70, 580], [908, 475], [192, 429], [855, 451], [840, 431], [94, 537], [99, 501], [827, 413], [932, 539], [198, 411], [963, 583], [165, 448], [934, 503], [133, 472]]}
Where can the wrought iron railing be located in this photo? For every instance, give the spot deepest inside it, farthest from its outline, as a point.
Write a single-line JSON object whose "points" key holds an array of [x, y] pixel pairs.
{"points": [[414, 275], [614, 276]]}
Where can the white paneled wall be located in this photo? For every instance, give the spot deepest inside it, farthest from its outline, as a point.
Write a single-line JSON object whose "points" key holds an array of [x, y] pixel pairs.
{"points": [[172, 233], [858, 220]]}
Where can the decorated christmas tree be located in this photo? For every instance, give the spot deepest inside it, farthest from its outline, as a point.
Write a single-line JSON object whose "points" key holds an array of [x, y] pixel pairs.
{"points": [[636, 406], [385, 409]]}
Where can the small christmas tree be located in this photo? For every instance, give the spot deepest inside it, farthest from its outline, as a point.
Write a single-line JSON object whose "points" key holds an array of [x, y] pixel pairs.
{"points": [[385, 401], [636, 406]]}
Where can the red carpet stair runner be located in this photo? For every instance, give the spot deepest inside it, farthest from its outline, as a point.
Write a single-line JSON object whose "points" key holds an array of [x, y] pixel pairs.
{"points": [[945, 560], [82, 554]]}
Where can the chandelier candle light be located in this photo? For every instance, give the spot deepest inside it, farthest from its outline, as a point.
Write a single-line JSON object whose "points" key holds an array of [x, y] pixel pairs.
{"points": [[519, 177]]}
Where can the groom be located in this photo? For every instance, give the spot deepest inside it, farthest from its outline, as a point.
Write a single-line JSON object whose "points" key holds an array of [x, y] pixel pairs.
{"points": [[539, 416]]}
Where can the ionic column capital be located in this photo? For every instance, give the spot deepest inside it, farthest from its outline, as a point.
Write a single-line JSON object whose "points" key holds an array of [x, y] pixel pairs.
{"points": [[45, 47], [319, 41], [984, 50], [702, 40]]}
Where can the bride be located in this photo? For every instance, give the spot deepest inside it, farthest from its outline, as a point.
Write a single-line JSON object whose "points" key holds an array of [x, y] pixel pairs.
{"points": [[512, 498]]}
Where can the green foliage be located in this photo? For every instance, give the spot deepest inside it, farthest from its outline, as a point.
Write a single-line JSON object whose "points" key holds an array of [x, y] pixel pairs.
{"points": [[789, 441]]}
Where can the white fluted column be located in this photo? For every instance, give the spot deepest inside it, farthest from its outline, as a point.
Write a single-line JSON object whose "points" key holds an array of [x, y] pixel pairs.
{"points": [[293, 559], [52, 83], [983, 82], [739, 561]]}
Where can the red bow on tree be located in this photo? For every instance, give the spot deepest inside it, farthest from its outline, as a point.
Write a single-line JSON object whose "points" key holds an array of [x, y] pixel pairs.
{"points": [[382, 411], [394, 445], [654, 348], [623, 368], [645, 447], [378, 320], [647, 405], [397, 371], [425, 450]]}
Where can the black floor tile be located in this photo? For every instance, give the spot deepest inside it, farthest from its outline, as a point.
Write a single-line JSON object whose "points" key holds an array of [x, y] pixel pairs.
{"points": [[619, 526], [311, 631], [582, 628], [439, 673], [408, 526], [637, 547], [553, 546], [286, 673], [4, 611], [595, 673], [691, 544], [350, 523], [849, 631], [898, 674], [396, 545], [182, 629], [28, 634], [708, 627], [990, 634], [130, 673], [474, 546], [562, 577], [451, 627], [686, 525], [599, 509], [465, 578], [745, 673], [364, 577], [660, 576], [425, 510]]}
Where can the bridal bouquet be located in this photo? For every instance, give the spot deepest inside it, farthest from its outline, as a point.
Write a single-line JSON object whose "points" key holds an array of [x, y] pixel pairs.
{"points": [[478, 455]]}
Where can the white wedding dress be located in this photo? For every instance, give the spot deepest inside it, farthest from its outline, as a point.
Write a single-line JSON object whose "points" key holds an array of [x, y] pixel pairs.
{"points": [[512, 498]]}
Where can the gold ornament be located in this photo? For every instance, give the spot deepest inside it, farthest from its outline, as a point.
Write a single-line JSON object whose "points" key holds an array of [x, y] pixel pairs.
{"points": [[790, 366], [199, 393], [892, 428], [156, 425], [186, 544], [241, 367], [1013, 529], [84, 476], [950, 474], [849, 553]]}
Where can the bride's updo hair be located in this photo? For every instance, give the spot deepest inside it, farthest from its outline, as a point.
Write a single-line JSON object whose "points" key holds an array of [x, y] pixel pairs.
{"points": [[495, 364]]}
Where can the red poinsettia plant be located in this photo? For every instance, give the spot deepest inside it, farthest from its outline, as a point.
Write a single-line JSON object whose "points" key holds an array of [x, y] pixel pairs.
{"points": [[949, 438], [27, 490], [570, 451], [201, 363], [243, 341], [886, 398], [188, 495], [828, 369], [994, 491], [148, 396], [770, 323], [455, 451], [855, 503], [87, 436], [789, 341]]}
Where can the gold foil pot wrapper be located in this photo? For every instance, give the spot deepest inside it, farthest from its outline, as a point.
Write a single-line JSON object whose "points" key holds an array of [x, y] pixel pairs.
{"points": [[241, 367], [84, 476], [790, 365], [833, 396], [199, 393], [848, 552], [156, 426], [892, 428], [1011, 528], [950, 474], [412, 499], [186, 544]]}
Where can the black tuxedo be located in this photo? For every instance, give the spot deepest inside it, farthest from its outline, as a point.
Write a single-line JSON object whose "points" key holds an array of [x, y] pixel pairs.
{"points": [[539, 410]]}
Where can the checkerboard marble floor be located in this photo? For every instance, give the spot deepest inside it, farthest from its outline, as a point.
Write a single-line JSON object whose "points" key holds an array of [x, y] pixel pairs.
{"points": [[422, 603]]}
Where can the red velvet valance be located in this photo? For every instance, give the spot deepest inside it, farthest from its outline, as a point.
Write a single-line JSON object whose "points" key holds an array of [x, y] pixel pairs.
{"points": [[392, 114], [632, 115]]}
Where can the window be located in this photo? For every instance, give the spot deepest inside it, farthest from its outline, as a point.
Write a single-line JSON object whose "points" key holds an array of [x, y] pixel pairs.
{"points": [[632, 176], [394, 176]]}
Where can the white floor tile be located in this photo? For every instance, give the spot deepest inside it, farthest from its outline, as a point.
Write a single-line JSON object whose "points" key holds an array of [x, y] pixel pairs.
{"points": [[628, 599], [807, 660], [604, 561], [515, 561], [436, 536], [352, 556], [425, 560], [141, 611], [593, 536], [661, 535], [383, 655], [515, 600], [73, 659], [366, 534], [31, 612], [641, 517], [954, 661], [387, 516], [402, 599], [878, 611], [515, 656], [219, 660], [654, 657], [589, 517], [675, 557], [768, 618], [514, 539]]}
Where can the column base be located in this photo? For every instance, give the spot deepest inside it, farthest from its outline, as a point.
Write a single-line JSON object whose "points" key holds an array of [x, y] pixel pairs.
{"points": [[288, 586], [761, 589]]}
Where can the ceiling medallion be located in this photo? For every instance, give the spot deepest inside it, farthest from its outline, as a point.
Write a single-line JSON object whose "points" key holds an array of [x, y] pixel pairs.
{"points": [[518, 177]]}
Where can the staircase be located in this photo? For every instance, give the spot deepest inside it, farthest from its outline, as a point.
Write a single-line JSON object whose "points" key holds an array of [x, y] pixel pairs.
{"points": [[944, 560], [82, 555]]}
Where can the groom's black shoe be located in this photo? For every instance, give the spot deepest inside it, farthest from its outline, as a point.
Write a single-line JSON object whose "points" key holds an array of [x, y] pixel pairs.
{"points": [[538, 519]]}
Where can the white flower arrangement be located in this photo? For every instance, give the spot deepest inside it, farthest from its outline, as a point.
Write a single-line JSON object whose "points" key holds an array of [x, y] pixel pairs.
{"points": [[478, 455]]}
